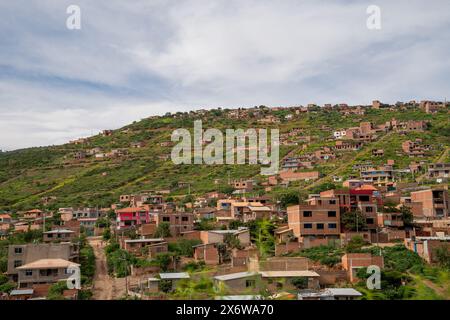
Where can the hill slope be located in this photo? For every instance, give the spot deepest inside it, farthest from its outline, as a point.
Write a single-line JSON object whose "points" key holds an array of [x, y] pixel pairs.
{"points": [[30, 175]]}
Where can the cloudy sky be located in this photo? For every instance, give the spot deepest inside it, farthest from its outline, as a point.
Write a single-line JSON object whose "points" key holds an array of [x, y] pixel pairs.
{"points": [[133, 59]]}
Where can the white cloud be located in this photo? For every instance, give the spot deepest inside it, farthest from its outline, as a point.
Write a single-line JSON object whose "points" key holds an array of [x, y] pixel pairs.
{"points": [[134, 59]]}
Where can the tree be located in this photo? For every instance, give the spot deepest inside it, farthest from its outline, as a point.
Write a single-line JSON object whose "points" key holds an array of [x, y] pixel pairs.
{"points": [[232, 241], [300, 282], [354, 221], [106, 234], [55, 292], [163, 230], [223, 253], [263, 236], [288, 199], [226, 189], [163, 260], [407, 216]]}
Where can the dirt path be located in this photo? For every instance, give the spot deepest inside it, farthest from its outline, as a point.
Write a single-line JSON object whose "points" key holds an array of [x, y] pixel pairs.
{"points": [[105, 287]]}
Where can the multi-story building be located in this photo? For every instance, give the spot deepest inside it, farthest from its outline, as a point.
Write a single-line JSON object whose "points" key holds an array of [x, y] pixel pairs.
{"points": [[431, 203], [315, 222], [132, 217], [380, 176], [439, 170], [179, 221], [23, 254]]}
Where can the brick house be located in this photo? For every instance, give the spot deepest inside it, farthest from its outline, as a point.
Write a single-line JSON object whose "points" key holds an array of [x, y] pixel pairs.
{"points": [[207, 253], [354, 261], [317, 220]]}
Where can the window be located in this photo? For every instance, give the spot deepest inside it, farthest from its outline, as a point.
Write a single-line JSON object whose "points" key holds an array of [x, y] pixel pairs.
{"points": [[320, 226], [364, 198], [184, 219], [369, 209], [307, 226], [332, 201], [18, 250], [307, 213], [332, 226], [166, 219], [68, 271], [17, 263], [250, 283], [369, 220], [28, 273], [331, 214]]}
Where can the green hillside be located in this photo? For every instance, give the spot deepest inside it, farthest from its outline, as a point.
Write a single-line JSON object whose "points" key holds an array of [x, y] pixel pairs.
{"points": [[29, 175]]}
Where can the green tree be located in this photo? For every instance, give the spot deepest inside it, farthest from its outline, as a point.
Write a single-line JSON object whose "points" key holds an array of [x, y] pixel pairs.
{"points": [[55, 292], [407, 216], [163, 230], [354, 221]]}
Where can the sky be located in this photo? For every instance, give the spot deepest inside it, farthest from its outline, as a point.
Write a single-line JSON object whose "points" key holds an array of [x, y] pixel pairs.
{"points": [[134, 59]]}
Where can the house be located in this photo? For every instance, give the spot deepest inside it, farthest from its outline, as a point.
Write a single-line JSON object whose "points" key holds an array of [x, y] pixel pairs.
{"points": [[426, 247], [205, 213], [317, 222], [414, 148], [218, 236], [132, 216], [5, 218], [88, 224], [288, 176], [330, 294], [381, 175], [245, 185], [23, 254], [178, 221], [347, 145], [354, 261], [430, 106], [239, 282], [206, 252], [59, 235], [377, 152], [439, 170], [430, 203], [171, 278], [33, 214], [44, 271], [145, 247]]}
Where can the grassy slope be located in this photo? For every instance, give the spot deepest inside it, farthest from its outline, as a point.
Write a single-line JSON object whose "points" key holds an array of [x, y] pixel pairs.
{"points": [[30, 174]]}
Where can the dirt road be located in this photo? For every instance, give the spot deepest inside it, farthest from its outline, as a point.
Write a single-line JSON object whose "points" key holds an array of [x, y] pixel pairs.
{"points": [[105, 287]]}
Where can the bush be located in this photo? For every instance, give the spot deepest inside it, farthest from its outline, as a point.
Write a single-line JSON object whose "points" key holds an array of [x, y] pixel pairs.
{"points": [[56, 291], [184, 247]]}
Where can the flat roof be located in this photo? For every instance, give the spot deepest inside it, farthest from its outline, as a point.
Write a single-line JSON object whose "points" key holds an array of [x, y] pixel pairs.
{"points": [[344, 292], [256, 208], [48, 263], [228, 231], [283, 274], [17, 292], [174, 275], [237, 275], [59, 231]]}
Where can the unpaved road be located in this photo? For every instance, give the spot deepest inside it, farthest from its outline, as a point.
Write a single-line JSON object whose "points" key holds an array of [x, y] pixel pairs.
{"points": [[105, 287]]}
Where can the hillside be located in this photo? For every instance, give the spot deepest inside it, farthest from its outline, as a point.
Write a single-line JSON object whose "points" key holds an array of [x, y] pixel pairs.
{"points": [[69, 176]]}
